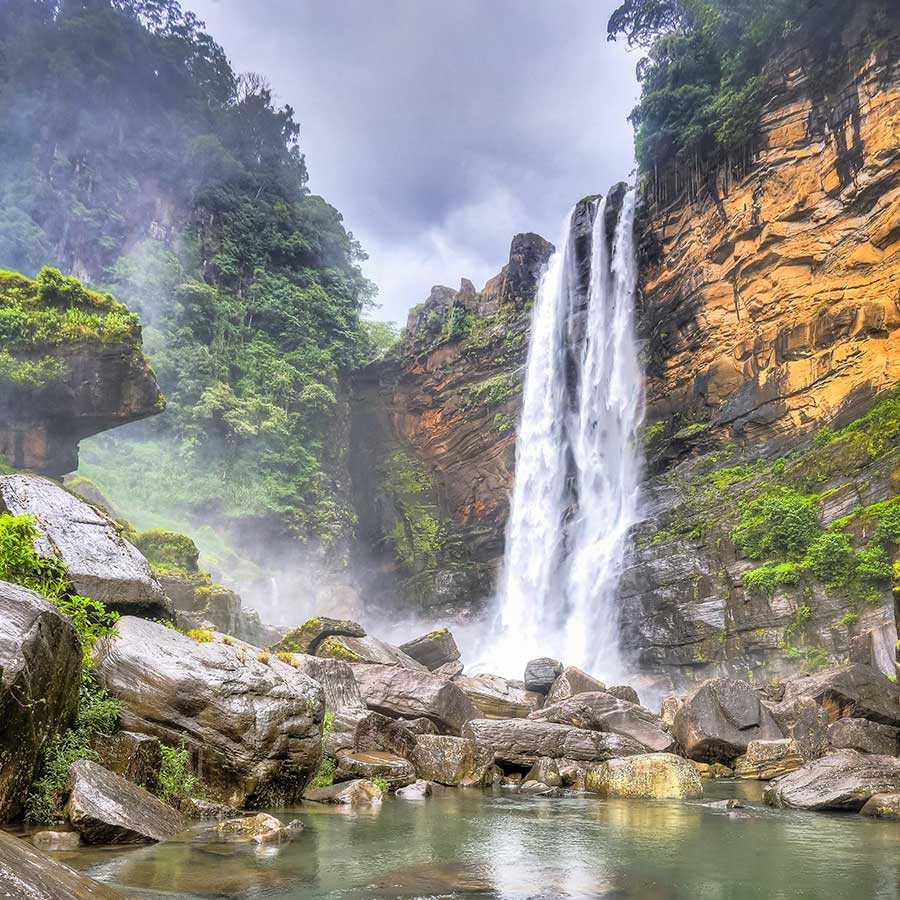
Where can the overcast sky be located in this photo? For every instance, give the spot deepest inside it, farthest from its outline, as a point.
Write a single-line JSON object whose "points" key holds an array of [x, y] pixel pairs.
{"points": [[440, 128]]}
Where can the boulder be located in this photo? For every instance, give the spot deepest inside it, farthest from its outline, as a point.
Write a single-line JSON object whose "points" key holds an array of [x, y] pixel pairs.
{"points": [[365, 650], [376, 732], [395, 770], [253, 724], [522, 742], [882, 806], [546, 771], [104, 808], [712, 770], [624, 692], [40, 676], [419, 726], [261, 828], [496, 697], [137, 757], [863, 735], [765, 760], [50, 841], [804, 722], [418, 790], [433, 650], [198, 808], [844, 780], [670, 706], [342, 735], [573, 681], [719, 719], [446, 760], [336, 677], [28, 874], [540, 674], [539, 789], [100, 563], [450, 669], [602, 712], [313, 631], [647, 776], [856, 691], [400, 692], [347, 793]]}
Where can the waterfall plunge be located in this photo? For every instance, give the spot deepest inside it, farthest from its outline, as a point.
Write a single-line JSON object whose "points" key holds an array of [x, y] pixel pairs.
{"points": [[577, 461]]}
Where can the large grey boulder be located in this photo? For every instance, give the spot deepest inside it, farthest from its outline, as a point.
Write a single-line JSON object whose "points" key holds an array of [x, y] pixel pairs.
{"points": [[105, 808], [433, 650], [407, 693], [100, 563], [136, 757], [540, 674], [855, 690], [366, 650], [252, 723], [572, 681], [446, 760], [313, 631], [376, 732], [40, 676], [28, 874], [648, 776], [765, 760], [336, 678], [496, 697], [719, 719], [805, 723], [346, 793], [603, 712], [522, 742], [864, 735], [844, 780], [395, 770]]}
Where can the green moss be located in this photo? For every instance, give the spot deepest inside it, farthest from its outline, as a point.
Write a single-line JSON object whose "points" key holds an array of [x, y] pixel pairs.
{"points": [[168, 552], [652, 431], [333, 648], [779, 521], [768, 578], [492, 391]]}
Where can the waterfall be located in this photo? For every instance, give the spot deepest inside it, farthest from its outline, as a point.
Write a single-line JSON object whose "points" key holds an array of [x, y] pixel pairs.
{"points": [[577, 458]]}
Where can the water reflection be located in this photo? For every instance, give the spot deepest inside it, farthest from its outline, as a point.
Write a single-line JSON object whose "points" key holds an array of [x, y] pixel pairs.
{"points": [[469, 845]]}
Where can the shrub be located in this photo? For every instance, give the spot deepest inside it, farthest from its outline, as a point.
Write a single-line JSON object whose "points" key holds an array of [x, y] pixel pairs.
{"points": [[167, 551], [888, 529], [780, 521], [176, 777], [325, 773], [381, 784], [873, 564], [200, 635], [832, 558], [766, 579]]}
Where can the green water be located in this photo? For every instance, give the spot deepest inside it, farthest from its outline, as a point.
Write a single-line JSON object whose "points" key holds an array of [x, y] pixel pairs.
{"points": [[469, 844]]}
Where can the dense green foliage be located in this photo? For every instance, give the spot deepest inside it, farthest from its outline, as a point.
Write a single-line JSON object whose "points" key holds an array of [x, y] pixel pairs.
{"points": [[177, 780], [168, 552], [133, 153], [327, 764], [703, 82]]}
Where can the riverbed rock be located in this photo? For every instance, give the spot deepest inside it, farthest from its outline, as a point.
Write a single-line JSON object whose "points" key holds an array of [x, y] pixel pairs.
{"points": [[603, 712], [54, 841], [522, 742], [100, 563], [366, 650], [401, 692], [342, 735], [624, 692], [312, 632], [648, 776], [882, 806], [376, 732], [765, 760], [864, 735], [28, 874], [261, 828], [253, 727], [40, 675], [546, 771], [433, 650], [445, 759], [198, 808], [347, 793], [573, 681], [104, 808], [670, 706], [137, 757], [844, 780], [497, 697], [336, 678], [420, 725], [540, 674], [806, 723], [854, 690], [719, 719], [395, 770], [712, 770], [418, 790]]}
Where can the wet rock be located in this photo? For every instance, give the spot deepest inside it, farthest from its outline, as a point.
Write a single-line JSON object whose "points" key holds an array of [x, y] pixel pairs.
{"points": [[863, 735], [100, 563], [603, 712], [400, 692], [545, 770], [40, 674], [336, 678], [366, 650], [418, 790], [49, 841], [652, 776], [523, 741], [198, 808], [433, 650], [712, 770], [445, 759], [541, 674], [624, 692], [28, 874], [378, 732], [137, 757], [725, 804], [855, 690], [420, 725], [261, 828], [806, 723], [572, 774], [538, 789], [342, 735], [450, 669], [496, 697], [765, 760], [844, 780], [312, 632], [395, 770], [253, 727], [669, 708], [882, 806], [720, 718], [348, 793], [573, 681], [104, 808]]}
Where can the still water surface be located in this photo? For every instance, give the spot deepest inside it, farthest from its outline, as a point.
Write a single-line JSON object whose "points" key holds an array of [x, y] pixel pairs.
{"points": [[467, 844]]}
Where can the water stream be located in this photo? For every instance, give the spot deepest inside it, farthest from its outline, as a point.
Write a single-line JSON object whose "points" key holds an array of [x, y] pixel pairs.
{"points": [[577, 459]]}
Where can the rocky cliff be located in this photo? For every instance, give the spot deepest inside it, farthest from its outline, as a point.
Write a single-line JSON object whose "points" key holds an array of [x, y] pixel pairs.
{"points": [[768, 312]]}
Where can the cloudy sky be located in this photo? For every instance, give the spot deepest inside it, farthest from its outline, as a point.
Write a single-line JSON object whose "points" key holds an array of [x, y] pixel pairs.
{"points": [[440, 129]]}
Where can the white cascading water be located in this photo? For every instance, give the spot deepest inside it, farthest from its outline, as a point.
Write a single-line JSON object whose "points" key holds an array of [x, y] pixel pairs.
{"points": [[577, 464]]}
